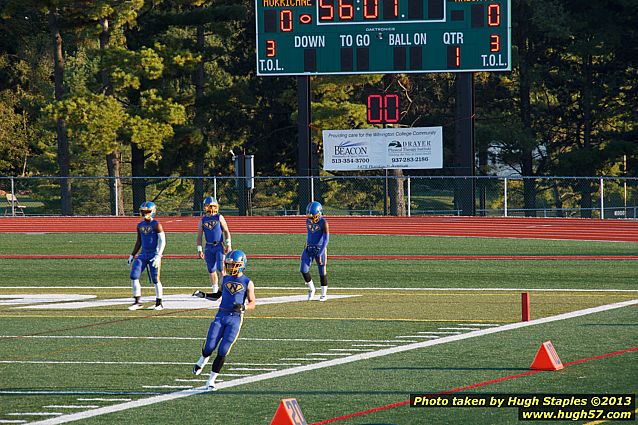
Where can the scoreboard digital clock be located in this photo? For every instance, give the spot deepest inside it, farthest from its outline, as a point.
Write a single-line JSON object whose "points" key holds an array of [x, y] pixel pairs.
{"points": [[315, 37]]}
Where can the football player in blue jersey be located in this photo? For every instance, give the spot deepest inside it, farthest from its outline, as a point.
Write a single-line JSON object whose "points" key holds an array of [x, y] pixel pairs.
{"points": [[316, 249], [152, 241], [213, 226], [238, 295]]}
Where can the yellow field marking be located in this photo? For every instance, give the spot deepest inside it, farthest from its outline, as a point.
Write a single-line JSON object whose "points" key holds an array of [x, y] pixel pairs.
{"points": [[602, 421]]}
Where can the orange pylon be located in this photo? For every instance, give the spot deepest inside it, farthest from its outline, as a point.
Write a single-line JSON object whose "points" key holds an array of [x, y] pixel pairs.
{"points": [[288, 413], [546, 358]]}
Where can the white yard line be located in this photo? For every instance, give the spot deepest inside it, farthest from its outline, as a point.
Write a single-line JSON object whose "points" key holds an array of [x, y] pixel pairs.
{"points": [[235, 374], [301, 289], [103, 399], [69, 392], [350, 349], [457, 329], [189, 338], [329, 354], [96, 362], [481, 325], [173, 387], [105, 337], [262, 364], [35, 414], [441, 333], [247, 369], [306, 359], [328, 363], [318, 340], [373, 345], [86, 362], [70, 406], [419, 336]]}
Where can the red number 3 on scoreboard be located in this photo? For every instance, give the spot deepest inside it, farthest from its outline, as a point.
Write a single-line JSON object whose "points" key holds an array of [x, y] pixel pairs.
{"points": [[271, 48]]}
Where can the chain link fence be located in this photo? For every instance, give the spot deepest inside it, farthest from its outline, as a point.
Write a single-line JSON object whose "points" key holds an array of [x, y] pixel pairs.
{"points": [[596, 197]]}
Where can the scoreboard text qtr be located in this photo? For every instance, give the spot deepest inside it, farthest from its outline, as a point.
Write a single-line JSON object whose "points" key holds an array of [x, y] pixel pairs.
{"points": [[313, 37]]}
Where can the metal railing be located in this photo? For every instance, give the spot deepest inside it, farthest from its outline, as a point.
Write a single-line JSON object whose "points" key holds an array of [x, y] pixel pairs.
{"points": [[597, 197]]}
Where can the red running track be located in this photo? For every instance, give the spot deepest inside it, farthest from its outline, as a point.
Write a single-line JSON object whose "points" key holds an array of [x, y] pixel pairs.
{"points": [[334, 257], [493, 227]]}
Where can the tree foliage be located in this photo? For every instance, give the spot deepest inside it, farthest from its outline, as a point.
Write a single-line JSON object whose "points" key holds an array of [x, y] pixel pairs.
{"points": [[176, 84]]}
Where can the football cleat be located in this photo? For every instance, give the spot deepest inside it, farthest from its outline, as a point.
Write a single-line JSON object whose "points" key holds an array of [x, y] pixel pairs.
{"points": [[210, 385], [199, 366], [135, 306], [157, 307], [311, 293], [323, 298]]}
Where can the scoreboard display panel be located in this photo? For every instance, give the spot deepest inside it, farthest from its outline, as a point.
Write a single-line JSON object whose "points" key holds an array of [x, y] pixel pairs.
{"points": [[315, 37]]}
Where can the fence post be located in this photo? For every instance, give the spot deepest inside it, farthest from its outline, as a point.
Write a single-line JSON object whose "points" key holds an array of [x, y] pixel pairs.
{"points": [[117, 206], [505, 196], [312, 188], [602, 200], [215, 187], [13, 194], [409, 200]]}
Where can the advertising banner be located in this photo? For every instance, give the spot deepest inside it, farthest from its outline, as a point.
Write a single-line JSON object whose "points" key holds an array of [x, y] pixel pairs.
{"points": [[379, 148]]}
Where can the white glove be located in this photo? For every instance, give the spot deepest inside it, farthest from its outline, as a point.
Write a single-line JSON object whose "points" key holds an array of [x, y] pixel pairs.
{"points": [[199, 294], [130, 260], [156, 261]]}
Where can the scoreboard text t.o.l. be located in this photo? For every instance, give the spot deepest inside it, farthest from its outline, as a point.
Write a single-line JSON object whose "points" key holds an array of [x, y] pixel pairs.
{"points": [[313, 37]]}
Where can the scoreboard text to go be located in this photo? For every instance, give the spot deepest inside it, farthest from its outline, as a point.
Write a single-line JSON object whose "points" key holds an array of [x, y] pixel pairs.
{"points": [[312, 37]]}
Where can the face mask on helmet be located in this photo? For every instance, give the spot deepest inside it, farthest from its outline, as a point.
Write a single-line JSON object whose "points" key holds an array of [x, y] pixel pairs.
{"points": [[211, 207], [147, 211], [314, 211], [235, 263]]}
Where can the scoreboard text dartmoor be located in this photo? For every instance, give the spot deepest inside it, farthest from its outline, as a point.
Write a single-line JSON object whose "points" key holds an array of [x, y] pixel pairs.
{"points": [[313, 37]]}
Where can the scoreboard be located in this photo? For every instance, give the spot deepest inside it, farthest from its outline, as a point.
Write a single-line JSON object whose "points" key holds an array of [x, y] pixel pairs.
{"points": [[315, 37]]}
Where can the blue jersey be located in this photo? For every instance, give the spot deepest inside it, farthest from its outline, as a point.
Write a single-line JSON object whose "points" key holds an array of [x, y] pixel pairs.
{"points": [[148, 235], [234, 291], [212, 229], [316, 236]]}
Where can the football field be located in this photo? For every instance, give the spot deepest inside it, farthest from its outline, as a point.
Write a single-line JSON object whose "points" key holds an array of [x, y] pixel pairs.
{"points": [[406, 315]]}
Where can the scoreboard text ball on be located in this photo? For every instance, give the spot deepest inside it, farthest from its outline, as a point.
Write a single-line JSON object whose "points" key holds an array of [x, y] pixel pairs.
{"points": [[314, 37]]}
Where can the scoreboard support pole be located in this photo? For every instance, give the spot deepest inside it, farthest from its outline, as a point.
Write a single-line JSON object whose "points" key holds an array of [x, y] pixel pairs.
{"points": [[464, 144], [304, 151]]}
